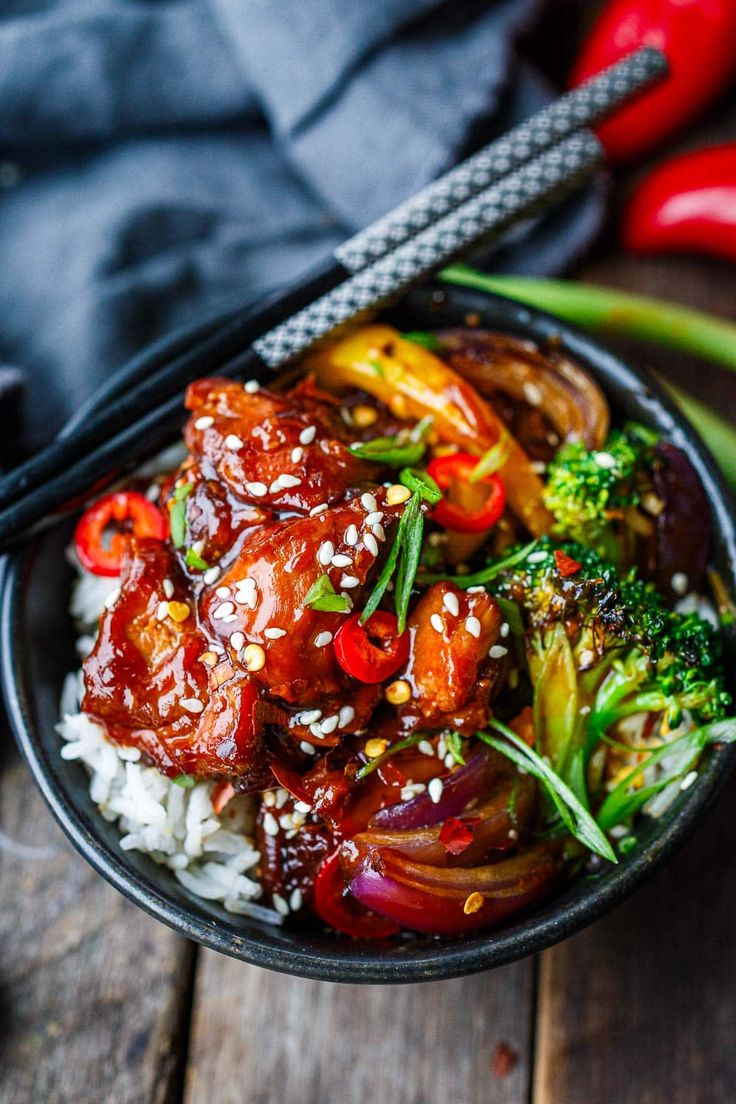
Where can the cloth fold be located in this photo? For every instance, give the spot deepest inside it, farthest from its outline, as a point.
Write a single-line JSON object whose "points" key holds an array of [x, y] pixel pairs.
{"points": [[163, 159]]}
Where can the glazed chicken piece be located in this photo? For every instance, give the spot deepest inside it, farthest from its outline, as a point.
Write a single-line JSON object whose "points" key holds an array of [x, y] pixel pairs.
{"points": [[155, 683], [450, 670], [261, 600], [284, 452]]}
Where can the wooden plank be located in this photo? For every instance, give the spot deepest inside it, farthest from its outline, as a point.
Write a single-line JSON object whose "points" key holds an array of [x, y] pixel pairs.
{"points": [[639, 1008], [94, 995], [259, 1037]]}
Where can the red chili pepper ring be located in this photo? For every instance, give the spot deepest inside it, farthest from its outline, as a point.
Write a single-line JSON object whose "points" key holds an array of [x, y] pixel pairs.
{"points": [[365, 660], [125, 512], [452, 476]]}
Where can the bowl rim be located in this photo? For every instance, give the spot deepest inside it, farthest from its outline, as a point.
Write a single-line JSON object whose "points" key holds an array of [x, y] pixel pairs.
{"points": [[435, 960]]}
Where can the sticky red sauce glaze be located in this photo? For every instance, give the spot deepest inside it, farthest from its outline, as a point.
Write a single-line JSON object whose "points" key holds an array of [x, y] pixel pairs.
{"points": [[225, 671]]}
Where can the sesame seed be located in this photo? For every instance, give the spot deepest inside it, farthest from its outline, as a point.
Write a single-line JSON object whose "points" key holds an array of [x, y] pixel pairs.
{"points": [[114, 595], [398, 692], [162, 611], [451, 603], [237, 641], [538, 467], [274, 634], [296, 455], [270, 825], [256, 490], [688, 780], [287, 480], [320, 509], [247, 598], [379, 532], [322, 639], [178, 611], [425, 747], [302, 807], [329, 724], [307, 748], [341, 560], [473, 902], [364, 416], [434, 789], [295, 900], [437, 623], [472, 624], [204, 422], [316, 730], [536, 557], [245, 584], [223, 611], [513, 835], [192, 705], [371, 543], [475, 590], [374, 518], [346, 716], [275, 486], [251, 386], [498, 651], [680, 583], [351, 535], [368, 502], [449, 760], [349, 581], [211, 575], [604, 460], [232, 441], [307, 435], [504, 629], [532, 394], [230, 618], [397, 493], [223, 592], [254, 657], [310, 716], [325, 552]]}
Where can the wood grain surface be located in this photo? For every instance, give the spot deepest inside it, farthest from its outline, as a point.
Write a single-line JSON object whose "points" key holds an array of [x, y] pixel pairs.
{"points": [[408, 1044], [101, 1005]]}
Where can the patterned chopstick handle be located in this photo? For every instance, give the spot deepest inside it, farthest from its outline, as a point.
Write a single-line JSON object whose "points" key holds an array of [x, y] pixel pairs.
{"points": [[553, 174], [581, 108]]}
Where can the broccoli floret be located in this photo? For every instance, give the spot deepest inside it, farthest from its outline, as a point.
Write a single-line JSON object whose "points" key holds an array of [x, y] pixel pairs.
{"points": [[589, 492], [602, 646]]}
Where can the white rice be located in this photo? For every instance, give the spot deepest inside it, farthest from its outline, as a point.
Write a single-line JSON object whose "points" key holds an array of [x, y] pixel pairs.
{"points": [[212, 856]]}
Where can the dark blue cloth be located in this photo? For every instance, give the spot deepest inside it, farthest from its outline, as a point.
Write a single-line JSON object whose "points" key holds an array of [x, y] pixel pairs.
{"points": [[164, 159]]}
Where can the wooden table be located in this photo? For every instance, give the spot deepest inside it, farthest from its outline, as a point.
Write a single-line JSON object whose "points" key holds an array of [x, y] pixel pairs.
{"points": [[101, 1005]]}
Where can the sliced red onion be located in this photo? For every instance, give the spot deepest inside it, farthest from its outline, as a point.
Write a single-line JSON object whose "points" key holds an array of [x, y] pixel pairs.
{"points": [[460, 788], [503, 889]]}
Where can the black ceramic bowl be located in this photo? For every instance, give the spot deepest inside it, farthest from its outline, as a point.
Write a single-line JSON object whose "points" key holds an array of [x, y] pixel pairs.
{"points": [[37, 652]]}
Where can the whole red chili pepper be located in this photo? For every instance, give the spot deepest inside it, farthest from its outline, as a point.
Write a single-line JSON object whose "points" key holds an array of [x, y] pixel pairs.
{"points": [[688, 204], [699, 39]]}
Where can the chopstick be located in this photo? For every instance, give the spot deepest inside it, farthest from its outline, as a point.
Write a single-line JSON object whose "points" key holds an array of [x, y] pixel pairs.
{"points": [[554, 174], [154, 376]]}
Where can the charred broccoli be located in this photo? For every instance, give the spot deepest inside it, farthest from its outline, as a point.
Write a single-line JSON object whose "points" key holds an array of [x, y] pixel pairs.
{"points": [[601, 647], [592, 493]]}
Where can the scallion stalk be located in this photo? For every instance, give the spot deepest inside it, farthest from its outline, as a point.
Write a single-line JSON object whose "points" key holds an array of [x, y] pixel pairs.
{"points": [[622, 314]]}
